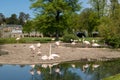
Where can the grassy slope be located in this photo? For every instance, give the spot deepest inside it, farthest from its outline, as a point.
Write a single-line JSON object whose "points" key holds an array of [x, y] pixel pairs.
{"points": [[115, 77]]}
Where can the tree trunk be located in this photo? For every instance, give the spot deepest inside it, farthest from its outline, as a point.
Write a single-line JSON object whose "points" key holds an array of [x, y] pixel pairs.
{"points": [[57, 21]]}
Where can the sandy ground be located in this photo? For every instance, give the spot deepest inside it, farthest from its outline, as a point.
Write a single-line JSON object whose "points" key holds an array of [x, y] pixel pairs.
{"points": [[21, 54]]}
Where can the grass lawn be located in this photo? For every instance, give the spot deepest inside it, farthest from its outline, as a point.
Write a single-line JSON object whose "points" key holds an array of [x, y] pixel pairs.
{"points": [[115, 77], [35, 40], [25, 40]]}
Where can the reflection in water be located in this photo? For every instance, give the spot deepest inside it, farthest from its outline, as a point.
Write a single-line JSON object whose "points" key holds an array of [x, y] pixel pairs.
{"points": [[85, 67], [43, 71], [94, 66], [85, 73], [60, 71]]}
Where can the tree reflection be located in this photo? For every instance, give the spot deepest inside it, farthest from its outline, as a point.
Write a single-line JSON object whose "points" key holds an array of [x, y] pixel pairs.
{"points": [[74, 71], [51, 72], [22, 65]]}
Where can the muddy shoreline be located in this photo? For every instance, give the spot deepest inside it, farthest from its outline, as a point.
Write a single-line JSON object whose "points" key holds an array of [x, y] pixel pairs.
{"points": [[21, 54]]}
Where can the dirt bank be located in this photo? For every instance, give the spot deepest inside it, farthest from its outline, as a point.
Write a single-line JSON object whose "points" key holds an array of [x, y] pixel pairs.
{"points": [[21, 54]]}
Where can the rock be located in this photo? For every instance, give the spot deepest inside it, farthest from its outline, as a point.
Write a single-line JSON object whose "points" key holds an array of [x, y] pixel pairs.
{"points": [[3, 52]]}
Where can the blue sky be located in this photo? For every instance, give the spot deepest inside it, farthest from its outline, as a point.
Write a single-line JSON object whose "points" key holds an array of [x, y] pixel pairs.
{"points": [[8, 7]]}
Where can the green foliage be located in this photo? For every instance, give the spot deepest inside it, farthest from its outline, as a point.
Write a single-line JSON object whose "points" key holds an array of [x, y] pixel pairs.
{"points": [[113, 41], [12, 20], [99, 6], [109, 29], [68, 37], [23, 17], [51, 14], [2, 18], [28, 27], [88, 20]]}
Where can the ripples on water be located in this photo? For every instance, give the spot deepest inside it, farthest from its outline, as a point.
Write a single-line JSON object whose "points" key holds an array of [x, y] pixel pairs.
{"points": [[62, 71]]}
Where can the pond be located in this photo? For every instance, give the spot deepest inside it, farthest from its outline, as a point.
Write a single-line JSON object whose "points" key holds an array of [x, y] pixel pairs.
{"points": [[61, 71]]}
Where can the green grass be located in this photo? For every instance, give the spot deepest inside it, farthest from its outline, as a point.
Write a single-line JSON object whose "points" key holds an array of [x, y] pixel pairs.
{"points": [[115, 77], [7, 40], [25, 40], [91, 38], [34, 40], [98, 39]]}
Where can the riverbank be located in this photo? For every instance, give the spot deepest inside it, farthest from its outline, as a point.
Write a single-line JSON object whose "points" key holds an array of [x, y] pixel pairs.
{"points": [[21, 54]]}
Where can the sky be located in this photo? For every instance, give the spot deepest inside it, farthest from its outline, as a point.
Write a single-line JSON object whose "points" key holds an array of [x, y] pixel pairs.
{"points": [[8, 7]]}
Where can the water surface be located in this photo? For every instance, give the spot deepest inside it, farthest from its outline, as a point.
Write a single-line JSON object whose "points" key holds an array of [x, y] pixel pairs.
{"points": [[60, 71]]}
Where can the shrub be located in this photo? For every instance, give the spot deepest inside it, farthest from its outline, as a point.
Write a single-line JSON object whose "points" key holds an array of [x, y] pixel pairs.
{"points": [[111, 34], [113, 41], [68, 37]]}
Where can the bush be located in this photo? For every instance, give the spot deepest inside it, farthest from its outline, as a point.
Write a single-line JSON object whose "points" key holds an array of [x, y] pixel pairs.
{"points": [[113, 41], [111, 35], [68, 37]]}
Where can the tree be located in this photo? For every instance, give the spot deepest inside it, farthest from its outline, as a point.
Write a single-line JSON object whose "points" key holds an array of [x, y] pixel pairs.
{"points": [[27, 27], [114, 6], [99, 6], [2, 18], [88, 20], [12, 20], [110, 25], [23, 18], [52, 14]]}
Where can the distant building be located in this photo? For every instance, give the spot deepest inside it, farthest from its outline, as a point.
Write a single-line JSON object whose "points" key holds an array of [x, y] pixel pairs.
{"points": [[7, 31], [11, 31]]}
